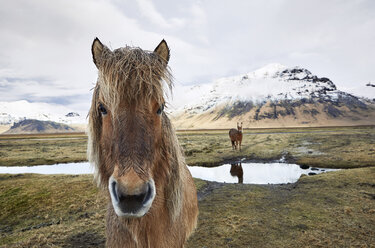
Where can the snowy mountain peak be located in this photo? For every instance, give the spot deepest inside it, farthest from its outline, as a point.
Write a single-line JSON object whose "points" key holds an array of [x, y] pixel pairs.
{"points": [[272, 96], [268, 71], [72, 114], [273, 81]]}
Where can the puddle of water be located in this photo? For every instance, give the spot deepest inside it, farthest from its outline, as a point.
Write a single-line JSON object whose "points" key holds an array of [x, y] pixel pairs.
{"points": [[250, 173], [68, 168], [255, 173], [43, 139]]}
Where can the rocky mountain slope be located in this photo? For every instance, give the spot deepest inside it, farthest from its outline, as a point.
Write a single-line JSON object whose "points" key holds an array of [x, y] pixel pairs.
{"points": [[36, 126], [273, 96]]}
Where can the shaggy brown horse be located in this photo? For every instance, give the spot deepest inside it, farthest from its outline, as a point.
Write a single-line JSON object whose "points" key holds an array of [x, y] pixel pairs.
{"points": [[152, 199], [235, 136]]}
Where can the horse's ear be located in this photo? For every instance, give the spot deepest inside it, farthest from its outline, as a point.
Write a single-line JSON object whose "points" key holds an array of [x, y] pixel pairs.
{"points": [[96, 50], [163, 51]]}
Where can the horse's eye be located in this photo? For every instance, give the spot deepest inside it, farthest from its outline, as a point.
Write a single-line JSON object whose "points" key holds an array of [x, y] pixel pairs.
{"points": [[160, 110], [102, 109]]}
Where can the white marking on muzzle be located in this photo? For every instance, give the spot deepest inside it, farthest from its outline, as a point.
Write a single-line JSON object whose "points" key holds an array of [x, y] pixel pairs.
{"points": [[116, 204]]}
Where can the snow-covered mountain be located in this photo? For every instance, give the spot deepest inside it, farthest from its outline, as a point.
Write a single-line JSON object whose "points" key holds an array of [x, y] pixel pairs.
{"points": [[366, 90], [11, 112], [274, 95], [30, 126]]}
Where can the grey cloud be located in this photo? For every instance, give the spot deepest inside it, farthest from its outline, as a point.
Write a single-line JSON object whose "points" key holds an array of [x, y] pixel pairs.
{"points": [[45, 45]]}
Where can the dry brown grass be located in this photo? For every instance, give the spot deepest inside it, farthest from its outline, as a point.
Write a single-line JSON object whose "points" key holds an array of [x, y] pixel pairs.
{"points": [[335, 147], [334, 209], [50, 211], [18, 150], [328, 210]]}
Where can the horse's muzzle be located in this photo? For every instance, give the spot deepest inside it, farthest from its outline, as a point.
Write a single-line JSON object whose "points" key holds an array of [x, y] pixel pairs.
{"points": [[134, 203]]}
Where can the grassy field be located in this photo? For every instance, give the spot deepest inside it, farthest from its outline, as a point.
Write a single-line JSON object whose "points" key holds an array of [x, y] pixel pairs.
{"points": [[334, 147], [19, 150], [335, 209]]}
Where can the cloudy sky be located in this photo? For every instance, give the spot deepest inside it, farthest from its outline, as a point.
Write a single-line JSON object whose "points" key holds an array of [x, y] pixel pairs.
{"points": [[45, 45]]}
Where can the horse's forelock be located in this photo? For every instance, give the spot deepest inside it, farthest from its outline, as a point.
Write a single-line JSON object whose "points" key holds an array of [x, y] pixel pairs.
{"points": [[132, 75]]}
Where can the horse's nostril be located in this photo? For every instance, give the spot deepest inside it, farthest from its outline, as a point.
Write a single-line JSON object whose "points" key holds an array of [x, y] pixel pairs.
{"points": [[114, 190]]}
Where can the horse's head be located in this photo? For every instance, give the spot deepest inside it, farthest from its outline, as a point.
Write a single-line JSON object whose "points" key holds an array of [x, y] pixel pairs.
{"points": [[126, 120], [239, 128]]}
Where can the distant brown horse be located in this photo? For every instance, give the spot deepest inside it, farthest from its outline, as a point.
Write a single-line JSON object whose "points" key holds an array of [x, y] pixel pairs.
{"points": [[133, 147], [235, 136], [236, 170]]}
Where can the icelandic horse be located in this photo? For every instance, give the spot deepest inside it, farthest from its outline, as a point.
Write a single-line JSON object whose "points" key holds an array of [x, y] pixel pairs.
{"points": [[138, 162], [235, 136]]}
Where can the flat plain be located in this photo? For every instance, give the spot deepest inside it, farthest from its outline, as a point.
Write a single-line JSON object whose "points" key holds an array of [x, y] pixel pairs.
{"points": [[333, 147], [335, 209]]}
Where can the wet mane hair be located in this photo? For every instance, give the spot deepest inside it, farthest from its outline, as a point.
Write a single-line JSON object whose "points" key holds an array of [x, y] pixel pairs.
{"points": [[133, 74]]}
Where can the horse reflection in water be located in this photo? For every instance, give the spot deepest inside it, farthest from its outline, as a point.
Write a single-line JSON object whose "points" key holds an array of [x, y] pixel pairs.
{"points": [[237, 171]]}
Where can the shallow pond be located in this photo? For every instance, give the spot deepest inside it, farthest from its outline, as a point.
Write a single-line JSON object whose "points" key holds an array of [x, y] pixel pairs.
{"points": [[68, 168], [255, 173], [250, 173]]}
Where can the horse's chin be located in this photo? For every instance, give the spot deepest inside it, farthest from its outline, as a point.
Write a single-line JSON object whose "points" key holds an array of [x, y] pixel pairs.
{"points": [[142, 212], [122, 210]]}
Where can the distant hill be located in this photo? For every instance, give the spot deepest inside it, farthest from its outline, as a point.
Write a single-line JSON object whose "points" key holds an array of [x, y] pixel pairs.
{"points": [[272, 96], [12, 112], [36, 126]]}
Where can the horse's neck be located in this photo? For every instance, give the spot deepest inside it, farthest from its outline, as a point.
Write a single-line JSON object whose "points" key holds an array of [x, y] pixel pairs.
{"points": [[136, 233]]}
